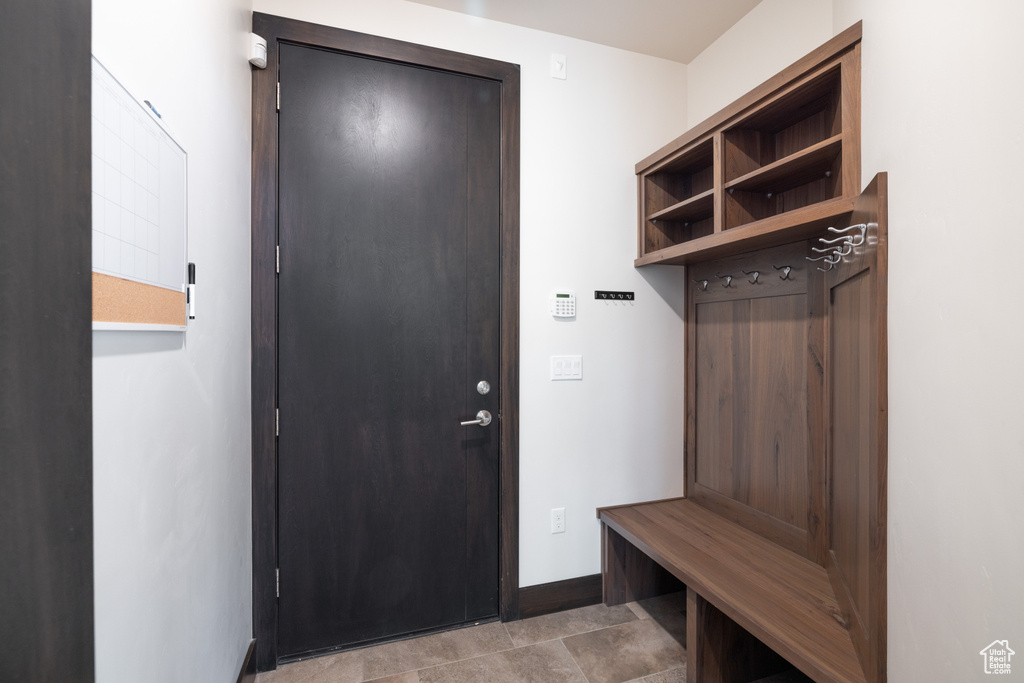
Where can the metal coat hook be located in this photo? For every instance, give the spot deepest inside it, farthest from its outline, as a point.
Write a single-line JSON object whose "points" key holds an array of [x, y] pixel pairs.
{"points": [[827, 259], [863, 227], [858, 226], [845, 251], [755, 273], [785, 271], [831, 260], [703, 285], [727, 278], [832, 264]]}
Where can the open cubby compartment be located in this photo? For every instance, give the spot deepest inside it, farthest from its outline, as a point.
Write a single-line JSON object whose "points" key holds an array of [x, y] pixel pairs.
{"points": [[787, 154], [678, 202], [807, 114], [754, 198]]}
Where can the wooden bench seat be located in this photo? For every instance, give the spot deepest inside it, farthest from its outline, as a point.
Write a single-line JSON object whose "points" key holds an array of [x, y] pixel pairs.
{"points": [[783, 599]]}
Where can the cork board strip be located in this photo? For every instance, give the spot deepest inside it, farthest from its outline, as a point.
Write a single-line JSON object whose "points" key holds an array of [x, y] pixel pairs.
{"points": [[117, 300]]}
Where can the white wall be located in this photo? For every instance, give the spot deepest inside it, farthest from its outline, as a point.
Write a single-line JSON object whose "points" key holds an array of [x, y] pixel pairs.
{"points": [[769, 38], [941, 111], [941, 107], [171, 411], [616, 436]]}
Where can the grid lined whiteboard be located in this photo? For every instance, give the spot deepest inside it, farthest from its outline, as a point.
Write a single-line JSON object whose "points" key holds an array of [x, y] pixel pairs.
{"points": [[138, 190]]}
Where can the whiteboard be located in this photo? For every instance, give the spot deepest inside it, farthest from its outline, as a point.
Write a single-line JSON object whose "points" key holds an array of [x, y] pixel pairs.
{"points": [[139, 181]]}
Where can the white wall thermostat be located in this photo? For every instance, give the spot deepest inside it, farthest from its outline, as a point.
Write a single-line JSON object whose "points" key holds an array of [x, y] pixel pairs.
{"points": [[563, 304]]}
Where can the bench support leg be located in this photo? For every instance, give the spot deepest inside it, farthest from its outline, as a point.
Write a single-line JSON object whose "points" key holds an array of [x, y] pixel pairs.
{"points": [[718, 650], [628, 574]]}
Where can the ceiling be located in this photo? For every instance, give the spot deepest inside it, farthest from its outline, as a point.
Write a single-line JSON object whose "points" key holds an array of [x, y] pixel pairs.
{"points": [[673, 29]]}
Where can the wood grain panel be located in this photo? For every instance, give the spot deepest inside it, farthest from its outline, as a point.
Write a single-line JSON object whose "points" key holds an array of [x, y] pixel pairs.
{"points": [[509, 77], [777, 465], [117, 300], [779, 156], [769, 282], [742, 152], [665, 189], [772, 231], [558, 596], [817, 307], [772, 528], [279, 30], [804, 132], [718, 650], [628, 574], [750, 445], [781, 598], [843, 42], [850, 362], [483, 339], [47, 614], [849, 107], [264, 351], [399, 357], [663, 234], [857, 443], [718, 180], [721, 398]]}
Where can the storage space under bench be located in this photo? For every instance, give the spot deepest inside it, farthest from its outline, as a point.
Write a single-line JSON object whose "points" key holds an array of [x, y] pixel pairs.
{"points": [[747, 598]]}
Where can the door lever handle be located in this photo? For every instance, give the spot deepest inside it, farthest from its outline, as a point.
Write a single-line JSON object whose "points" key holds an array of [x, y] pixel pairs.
{"points": [[483, 418]]}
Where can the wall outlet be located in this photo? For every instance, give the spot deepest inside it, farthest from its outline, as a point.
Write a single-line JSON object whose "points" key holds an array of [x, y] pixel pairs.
{"points": [[558, 520]]}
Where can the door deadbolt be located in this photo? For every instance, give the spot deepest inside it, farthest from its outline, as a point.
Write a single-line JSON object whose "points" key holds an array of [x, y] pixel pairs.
{"points": [[483, 387]]}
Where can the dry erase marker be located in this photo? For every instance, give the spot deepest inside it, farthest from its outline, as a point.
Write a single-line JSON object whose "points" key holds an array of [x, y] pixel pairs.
{"points": [[191, 295]]}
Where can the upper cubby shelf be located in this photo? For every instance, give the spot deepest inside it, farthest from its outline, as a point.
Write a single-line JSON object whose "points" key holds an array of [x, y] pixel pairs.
{"points": [[693, 209], [769, 168], [811, 163]]}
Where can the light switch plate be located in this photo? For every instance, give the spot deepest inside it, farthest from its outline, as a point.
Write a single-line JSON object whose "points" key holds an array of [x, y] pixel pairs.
{"points": [[558, 66], [566, 367]]}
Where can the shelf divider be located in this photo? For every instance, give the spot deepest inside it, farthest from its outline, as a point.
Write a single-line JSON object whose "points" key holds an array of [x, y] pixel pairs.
{"points": [[774, 230], [695, 208], [797, 169]]}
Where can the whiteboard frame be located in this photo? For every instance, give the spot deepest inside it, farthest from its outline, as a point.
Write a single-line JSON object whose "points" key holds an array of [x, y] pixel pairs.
{"points": [[100, 326], [152, 116]]}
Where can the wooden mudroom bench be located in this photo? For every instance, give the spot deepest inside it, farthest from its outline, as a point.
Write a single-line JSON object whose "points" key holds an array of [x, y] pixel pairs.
{"points": [[783, 600], [781, 539]]}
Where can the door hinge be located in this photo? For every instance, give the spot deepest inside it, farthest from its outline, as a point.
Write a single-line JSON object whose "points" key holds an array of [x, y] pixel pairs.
{"points": [[278, 266], [279, 95], [277, 422], [277, 583]]}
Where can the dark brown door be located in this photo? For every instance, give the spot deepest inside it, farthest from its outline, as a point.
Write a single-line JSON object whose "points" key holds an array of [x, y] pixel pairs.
{"points": [[389, 318]]}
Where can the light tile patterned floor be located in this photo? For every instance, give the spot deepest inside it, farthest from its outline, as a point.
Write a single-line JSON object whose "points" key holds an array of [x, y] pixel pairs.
{"points": [[597, 644], [640, 641]]}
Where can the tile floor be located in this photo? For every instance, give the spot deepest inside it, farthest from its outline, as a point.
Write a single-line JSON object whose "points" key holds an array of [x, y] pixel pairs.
{"points": [[639, 641], [636, 642]]}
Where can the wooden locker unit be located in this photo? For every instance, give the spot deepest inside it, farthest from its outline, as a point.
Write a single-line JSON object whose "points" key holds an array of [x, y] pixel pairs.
{"points": [[773, 167], [781, 537]]}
